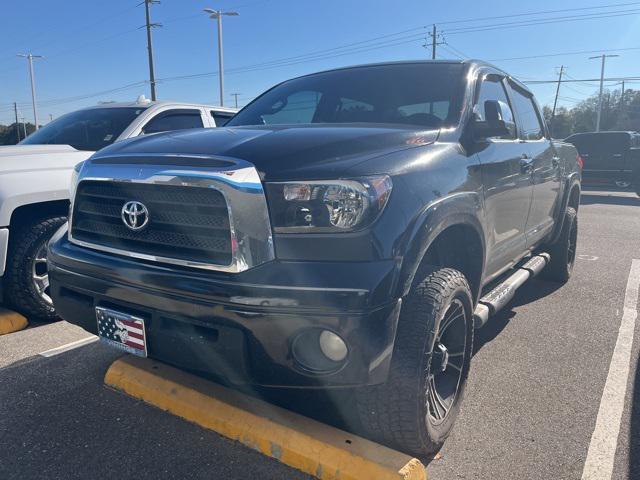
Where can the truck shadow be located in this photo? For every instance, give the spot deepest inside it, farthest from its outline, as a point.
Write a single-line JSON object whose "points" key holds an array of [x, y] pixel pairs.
{"points": [[624, 200], [534, 290]]}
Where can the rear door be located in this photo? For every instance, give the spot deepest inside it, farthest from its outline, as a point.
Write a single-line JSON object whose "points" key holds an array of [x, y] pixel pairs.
{"points": [[507, 187], [541, 164], [174, 119], [221, 118]]}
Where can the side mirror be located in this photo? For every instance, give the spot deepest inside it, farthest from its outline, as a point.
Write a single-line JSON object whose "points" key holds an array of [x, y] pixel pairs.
{"points": [[498, 121]]}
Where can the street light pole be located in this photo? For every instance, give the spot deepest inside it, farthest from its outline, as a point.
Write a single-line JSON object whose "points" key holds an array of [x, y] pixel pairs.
{"points": [[599, 114], [217, 15], [30, 57], [220, 60]]}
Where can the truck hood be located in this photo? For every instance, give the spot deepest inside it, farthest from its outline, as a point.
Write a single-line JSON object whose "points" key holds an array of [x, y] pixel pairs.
{"points": [[39, 157], [284, 151]]}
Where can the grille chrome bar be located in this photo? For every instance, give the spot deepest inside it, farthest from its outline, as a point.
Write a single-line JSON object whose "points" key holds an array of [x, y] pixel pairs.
{"points": [[246, 222]]}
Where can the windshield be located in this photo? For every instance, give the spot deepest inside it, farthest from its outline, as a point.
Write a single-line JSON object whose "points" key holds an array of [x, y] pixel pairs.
{"points": [[421, 95], [90, 129]]}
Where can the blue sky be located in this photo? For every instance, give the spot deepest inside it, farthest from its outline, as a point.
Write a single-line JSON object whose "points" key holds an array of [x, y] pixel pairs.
{"points": [[95, 46]]}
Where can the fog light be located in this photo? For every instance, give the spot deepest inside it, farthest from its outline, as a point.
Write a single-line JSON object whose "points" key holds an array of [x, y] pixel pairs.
{"points": [[319, 351], [333, 346]]}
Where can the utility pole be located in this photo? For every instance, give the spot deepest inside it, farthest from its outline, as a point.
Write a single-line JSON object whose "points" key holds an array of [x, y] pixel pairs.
{"points": [[15, 110], [217, 15], [434, 35], [149, 26], [235, 96], [434, 41], [599, 115], [50, 117], [30, 57], [555, 101], [622, 99]]}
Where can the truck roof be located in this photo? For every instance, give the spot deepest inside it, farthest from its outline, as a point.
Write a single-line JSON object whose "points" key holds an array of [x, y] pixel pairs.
{"points": [[470, 62], [149, 103]]}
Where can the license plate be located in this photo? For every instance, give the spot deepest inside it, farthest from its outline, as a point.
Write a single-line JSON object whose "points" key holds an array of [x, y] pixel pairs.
{"points": [[122, 331]]}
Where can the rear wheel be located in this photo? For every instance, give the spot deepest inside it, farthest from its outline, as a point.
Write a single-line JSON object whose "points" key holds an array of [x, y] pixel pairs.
{"points": [[26, 280], [416, 408], [563, 251]]}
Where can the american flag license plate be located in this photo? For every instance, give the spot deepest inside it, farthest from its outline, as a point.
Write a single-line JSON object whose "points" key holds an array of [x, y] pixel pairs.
{"points": [[121, 330]]}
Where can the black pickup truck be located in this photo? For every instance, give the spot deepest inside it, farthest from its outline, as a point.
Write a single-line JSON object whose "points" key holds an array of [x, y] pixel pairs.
{"points": [[348, 228], [610, 158]]}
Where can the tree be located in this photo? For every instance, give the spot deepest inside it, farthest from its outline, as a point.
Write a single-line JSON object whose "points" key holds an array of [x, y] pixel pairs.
{"points": [[9, 133], [619, 112]]}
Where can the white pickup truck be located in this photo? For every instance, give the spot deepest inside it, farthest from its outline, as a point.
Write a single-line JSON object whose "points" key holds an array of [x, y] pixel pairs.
{"points": [[35, 177]]}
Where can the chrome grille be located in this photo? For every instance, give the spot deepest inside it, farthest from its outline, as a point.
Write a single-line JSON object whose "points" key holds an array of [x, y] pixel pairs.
{"points": [[185, 222]]}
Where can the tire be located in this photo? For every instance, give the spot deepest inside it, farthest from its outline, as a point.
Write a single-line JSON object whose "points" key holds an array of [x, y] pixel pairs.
{"points": [[400, 412], [563, 251], [26, 261]]}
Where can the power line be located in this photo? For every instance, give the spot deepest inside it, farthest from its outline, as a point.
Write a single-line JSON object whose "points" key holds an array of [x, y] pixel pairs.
{"points": [[529, 23], [539, 13], [613, 79], [561, 54]]}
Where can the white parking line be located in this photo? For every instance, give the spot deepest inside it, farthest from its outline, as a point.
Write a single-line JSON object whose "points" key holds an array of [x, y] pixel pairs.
{"points": [[602, 449], [68, 346]]}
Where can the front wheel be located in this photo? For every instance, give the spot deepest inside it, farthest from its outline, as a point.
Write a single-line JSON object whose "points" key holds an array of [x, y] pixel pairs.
{"points": [[416, 408], [26, 280]]}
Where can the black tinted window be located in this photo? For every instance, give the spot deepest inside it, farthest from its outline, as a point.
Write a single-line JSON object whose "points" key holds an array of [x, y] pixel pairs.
{"points": [[492, 89], [181, 120], [530, 123], [90, 129], [605, 142], [221, 118], [427, 95]]}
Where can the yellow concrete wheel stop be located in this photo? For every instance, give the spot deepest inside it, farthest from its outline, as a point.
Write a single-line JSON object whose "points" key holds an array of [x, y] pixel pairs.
{"points": [[300, 442], [11, 321]]}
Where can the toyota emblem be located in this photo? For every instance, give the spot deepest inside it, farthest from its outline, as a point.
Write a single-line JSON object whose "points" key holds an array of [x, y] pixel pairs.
{"points": [[135, 215]]}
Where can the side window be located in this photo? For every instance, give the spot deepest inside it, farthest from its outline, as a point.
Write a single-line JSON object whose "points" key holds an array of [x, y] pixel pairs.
{"points": [[174, 120], [531, 125], [221, 118], [492, 88]]}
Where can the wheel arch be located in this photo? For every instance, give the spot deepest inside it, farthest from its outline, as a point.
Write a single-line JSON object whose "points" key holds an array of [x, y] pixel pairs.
{"points": [[448, 233], [32, 211], [570, 198]]}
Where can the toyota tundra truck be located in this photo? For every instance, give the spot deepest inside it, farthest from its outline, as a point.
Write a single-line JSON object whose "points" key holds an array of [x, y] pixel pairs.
{"points": [[347, 229]]}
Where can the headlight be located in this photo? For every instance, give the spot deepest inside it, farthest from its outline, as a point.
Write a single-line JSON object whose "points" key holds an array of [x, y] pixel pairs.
{"points": [[327, 205]]}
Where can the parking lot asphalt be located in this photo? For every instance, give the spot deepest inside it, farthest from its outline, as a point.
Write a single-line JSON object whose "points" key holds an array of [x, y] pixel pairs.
{"points": [[531, 404]]}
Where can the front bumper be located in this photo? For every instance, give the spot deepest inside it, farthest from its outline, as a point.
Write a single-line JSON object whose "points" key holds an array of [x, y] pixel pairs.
{"points": [[238, 327]]}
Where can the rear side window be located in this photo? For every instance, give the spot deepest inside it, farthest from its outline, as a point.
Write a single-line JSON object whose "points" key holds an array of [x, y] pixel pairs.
{"points": [[492, 88], [174, 120], [604, 142], [221, 118], [530, 123]]}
